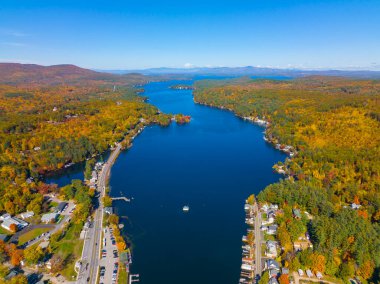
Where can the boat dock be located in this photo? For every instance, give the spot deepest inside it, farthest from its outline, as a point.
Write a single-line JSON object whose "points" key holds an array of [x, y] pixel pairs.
{"points": [[121, 198]]}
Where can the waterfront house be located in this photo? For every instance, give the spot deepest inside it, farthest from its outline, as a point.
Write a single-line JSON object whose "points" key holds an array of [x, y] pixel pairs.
{"points": [[108, 210], [247, 267], [49, 217]]}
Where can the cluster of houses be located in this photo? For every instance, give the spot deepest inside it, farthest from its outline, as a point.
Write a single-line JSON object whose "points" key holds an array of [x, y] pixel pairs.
{"points": [[20, 223], [310, 274], [94, 175], [52, 217], [267, 224], [257, 120], [273, 247], [286, 148], [248, 247]]}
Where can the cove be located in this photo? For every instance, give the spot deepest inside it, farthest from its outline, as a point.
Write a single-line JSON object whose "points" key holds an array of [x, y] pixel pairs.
{"points": [[212, 165]]}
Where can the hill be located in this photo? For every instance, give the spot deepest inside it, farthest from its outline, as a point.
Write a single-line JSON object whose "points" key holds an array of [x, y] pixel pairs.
{"points": [[32, 74]]}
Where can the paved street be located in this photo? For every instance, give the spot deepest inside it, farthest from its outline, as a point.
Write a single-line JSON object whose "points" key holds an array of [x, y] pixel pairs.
{"points": [[258, 240], [91, 250]]}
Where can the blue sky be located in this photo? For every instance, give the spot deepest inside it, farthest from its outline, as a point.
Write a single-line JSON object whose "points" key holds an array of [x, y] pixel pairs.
{"points": [[140, 34]]}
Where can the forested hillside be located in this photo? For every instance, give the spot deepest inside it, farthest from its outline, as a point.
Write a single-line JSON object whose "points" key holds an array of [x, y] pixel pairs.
{"points": [[334, 126], [50, 117]]}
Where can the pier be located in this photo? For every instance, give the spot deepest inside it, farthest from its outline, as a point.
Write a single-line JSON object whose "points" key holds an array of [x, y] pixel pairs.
{"points": [[121, 198]]}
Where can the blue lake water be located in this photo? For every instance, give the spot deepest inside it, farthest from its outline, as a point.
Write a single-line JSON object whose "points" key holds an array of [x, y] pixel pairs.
{"points": [[212, 164]]}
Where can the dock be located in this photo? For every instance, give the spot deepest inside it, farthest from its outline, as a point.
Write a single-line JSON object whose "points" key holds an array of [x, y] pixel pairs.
{"points": [[121, 198]]}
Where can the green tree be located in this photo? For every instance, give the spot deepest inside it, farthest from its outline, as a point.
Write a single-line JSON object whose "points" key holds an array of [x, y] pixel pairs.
{"points": [[264, 278]]}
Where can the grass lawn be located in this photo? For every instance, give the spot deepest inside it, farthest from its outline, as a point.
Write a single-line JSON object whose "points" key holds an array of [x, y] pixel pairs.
{"points": [[123, 275], [31, 235], [53, 204], [4, 231], [70, 248]]}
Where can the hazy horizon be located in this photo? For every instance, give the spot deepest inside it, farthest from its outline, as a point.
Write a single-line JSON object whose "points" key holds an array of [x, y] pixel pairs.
{"points": [[306, 35]]}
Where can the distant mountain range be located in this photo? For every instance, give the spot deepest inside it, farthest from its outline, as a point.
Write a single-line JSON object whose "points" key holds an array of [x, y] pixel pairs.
{"points": [[32, 74], [249, 71]]}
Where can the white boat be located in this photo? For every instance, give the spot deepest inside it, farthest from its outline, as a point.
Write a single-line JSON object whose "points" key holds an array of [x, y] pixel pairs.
{"points": [[185, 208]]}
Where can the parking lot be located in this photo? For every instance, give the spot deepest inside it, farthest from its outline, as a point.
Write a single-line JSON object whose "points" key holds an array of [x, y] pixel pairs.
{"points": [[109, 259]]}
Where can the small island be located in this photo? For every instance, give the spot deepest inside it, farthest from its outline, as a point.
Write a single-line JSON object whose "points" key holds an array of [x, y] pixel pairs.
{"points": [[182, 119], [181, 87]]}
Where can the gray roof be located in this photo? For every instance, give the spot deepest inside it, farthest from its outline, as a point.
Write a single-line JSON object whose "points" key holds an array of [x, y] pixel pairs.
{"points": [[61, 206]]}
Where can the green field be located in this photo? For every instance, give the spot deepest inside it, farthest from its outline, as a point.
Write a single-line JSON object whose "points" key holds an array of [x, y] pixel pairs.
{"points": [[31, 235], [70, 248], [4, 231], [123, 275]]}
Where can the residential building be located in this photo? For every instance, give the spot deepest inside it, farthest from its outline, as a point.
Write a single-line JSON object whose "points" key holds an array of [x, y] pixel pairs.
{"points": [[272, 230], [297, 213], [309, 273], [272, 264], [108, 210], [61, 207], [271, 250], [5, 216], [27, 215], [49, 217], [13, 220]]}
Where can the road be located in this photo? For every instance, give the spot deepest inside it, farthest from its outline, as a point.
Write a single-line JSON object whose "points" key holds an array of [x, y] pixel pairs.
{"points": [[258, 240], [91, 251]]}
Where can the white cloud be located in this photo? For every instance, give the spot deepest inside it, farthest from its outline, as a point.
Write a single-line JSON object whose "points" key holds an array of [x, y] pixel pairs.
{"points": [[189, 65], [12, 33], [14, 44]]}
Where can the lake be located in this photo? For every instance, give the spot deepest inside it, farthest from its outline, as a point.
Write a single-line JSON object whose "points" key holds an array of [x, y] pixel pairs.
{"points": [[212, 165]]}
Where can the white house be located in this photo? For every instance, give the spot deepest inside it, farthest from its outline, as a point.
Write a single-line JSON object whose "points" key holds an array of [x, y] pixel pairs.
{"points": [[27, 215], [271, 250], [49, 217], [309, 273], [5, 216], [272, 230], [272, 264], [13, 220]]}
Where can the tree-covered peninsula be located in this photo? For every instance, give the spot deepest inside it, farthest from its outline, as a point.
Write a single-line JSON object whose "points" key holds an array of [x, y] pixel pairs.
{"points": [[333, 174]]}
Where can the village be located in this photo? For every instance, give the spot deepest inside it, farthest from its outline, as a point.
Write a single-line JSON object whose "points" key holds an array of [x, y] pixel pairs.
{"points": [[37, 233], [263, 255]]}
